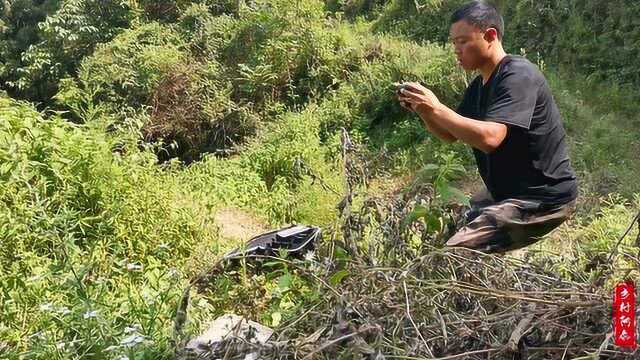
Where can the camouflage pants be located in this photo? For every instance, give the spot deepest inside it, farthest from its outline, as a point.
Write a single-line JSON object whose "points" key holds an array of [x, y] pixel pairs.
{"points": [[508, 225]]}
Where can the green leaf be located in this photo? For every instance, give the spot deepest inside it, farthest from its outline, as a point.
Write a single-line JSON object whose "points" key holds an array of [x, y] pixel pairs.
{"points": [[272, 264], [418, 212], [285, 281], [434, 222], [451, 195], [336, 278], [276, 318], [428, 172], [458, 168], [341, 254]]}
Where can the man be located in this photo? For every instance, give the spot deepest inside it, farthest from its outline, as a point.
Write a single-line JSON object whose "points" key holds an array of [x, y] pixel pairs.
{"points": [[510, 119]]}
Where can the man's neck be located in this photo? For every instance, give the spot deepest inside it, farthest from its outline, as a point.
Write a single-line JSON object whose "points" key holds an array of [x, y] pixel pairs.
{"points": [[490, 65]]}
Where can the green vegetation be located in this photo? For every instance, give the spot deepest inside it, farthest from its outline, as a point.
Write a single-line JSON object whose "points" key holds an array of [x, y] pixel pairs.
{"points": [[591, 32], [126, 126]]}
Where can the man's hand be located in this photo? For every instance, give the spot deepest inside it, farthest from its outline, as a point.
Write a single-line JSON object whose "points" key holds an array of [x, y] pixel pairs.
{"points": [[418, 97], [411, 96], [405, 105], [447, 124]]}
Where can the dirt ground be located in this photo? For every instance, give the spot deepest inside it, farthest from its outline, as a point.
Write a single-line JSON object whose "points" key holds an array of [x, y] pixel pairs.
{"points": [[239, 225]]}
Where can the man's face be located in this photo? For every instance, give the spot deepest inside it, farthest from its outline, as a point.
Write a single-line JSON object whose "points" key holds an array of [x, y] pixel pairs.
{"points": [[470, 44]]}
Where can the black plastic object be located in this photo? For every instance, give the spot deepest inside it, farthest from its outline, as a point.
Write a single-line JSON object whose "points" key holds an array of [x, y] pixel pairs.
{"points": [[295, 240]]}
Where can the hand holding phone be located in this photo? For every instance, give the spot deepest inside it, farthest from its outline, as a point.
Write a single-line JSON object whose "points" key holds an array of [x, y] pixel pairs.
{"points": [[399, 88]]}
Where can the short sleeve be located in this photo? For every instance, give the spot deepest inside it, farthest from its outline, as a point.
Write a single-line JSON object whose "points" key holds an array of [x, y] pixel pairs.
{"points": [[514, 100]]}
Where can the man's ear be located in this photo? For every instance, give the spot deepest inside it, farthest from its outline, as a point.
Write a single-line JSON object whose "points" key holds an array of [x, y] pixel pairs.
{"points": [[491, 34]]}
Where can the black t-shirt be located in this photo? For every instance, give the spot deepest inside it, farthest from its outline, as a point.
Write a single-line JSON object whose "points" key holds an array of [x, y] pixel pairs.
{"points": [[533, 161]]}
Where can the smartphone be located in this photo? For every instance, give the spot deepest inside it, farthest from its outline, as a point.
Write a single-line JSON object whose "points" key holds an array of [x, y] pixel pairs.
{"points": [[399, 86]]}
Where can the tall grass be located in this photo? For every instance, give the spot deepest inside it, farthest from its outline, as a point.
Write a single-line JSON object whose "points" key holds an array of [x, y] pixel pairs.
{"points": [[96, 244], [603, 145]]}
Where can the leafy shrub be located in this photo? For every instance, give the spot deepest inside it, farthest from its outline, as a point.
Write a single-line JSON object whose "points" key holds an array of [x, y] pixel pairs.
{"points": [[200, 95], [191, 108], [150, 68], [288, 54], [193, 22], [18, 31], [224, 7], [354, 8], [421, 21], [125, 72], [367, 105], [580, 28], [290, 146], [77, 234], [65, 38], [282, 174], [208, 36], [169, 11], [162, 11]]}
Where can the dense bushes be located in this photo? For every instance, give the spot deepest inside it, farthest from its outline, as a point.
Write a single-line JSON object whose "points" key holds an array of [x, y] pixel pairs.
{"points": [[355, 8], [125, 72], [280, 53], [92, 240], [283, 174], [367, 106], [569, 33], [203, 85], [43, 42], [63, 39], [207, 81], [148, 75], [419, 20], [191, 108], [18, 31], [580, 35], [77, 232]]}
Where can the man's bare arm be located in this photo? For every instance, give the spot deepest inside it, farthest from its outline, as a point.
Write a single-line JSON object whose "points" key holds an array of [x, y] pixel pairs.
{"points": [[483, 135], [441, 133], [486, 136]]}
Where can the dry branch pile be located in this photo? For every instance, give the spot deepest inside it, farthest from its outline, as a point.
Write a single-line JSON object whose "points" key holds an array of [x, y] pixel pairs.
{"points": [[431, 303], [446, 304]]}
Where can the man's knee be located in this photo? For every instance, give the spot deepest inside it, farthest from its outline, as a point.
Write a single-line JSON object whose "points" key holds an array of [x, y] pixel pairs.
{"points": [[509, 226], [481, 199], [476, 234], [488, 240]]}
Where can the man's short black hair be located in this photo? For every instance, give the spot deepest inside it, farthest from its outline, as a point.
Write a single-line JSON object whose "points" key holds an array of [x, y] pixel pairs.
{"points": [[482, 14]]}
